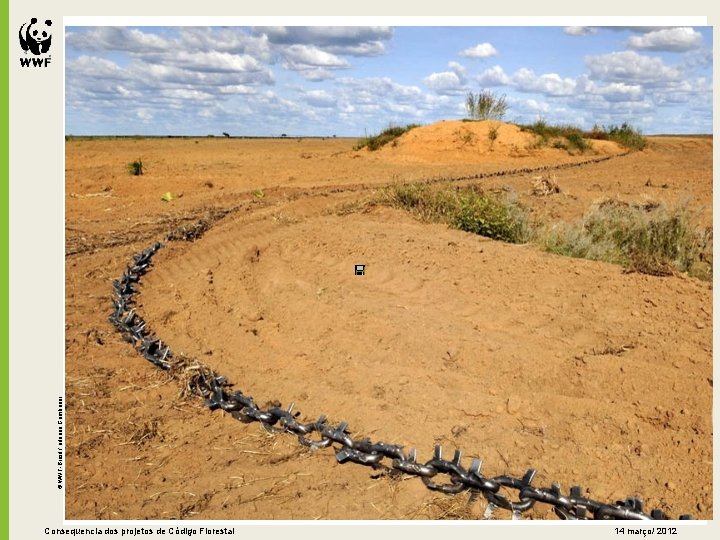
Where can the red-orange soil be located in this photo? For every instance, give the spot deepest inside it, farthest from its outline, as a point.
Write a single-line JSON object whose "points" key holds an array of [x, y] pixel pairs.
{"points": [[590, 375]]}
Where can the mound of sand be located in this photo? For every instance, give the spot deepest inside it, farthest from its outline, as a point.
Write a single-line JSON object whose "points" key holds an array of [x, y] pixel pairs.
{"points": [[458, 141]]}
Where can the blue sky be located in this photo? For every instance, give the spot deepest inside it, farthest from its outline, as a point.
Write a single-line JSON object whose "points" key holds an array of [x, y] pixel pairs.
{"points": [[348, 81]]}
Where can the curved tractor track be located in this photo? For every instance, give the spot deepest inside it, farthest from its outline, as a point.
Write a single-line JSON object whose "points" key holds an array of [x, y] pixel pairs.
{"points": [[538, 363]]}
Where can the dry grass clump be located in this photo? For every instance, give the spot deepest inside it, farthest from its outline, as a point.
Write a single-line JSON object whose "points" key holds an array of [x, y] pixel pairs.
{"points": [[364, 204], [188, 372], [144, 433], [445, 508], [486, 105], [545, 185], [648, 237]]}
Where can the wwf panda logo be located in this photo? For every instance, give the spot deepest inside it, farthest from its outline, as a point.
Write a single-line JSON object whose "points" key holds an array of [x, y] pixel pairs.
{"points": [[36, 36]]}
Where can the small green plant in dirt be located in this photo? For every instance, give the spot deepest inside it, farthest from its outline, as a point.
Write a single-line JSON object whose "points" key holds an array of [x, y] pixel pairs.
{"points": [[136, 167], [378, 141], [258, 193], [466, 137], [492, 135], [486, 105], [651, 239]]}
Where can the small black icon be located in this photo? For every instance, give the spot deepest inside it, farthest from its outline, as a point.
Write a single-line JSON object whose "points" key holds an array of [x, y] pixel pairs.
{"points": [[37, 36], [359, 269]]}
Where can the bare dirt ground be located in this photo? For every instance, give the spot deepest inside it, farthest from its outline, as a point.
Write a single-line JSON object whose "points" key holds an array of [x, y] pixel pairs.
{"points": [[525, 359]]}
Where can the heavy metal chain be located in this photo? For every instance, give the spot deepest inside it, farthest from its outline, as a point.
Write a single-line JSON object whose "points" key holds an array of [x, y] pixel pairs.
{"points": [[439, 474]]}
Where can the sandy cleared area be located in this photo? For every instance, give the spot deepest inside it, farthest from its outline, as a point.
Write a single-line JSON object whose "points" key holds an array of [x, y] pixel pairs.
{"points": [[593, 376]]}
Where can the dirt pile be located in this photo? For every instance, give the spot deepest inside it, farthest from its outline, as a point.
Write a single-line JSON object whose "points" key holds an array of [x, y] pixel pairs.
{"points": [[459, 141]]}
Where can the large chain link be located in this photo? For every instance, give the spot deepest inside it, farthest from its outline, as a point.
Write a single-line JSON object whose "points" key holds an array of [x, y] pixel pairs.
{"points": [[218, 394]]}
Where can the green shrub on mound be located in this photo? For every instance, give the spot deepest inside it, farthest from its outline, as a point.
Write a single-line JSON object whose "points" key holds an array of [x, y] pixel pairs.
{"points": [[563, 137], [627, 136], [386, 136], [572, 137]]}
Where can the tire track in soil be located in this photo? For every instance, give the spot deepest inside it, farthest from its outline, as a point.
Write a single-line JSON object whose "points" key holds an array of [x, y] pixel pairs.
{"points": [[83, 243]]}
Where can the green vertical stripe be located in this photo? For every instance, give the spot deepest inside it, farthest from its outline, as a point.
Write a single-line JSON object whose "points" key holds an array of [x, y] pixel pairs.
{"points": [[4, 282]]}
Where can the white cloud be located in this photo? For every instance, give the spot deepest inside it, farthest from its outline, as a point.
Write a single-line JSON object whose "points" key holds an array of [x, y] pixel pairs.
{"points": [[631, 68], [145, 74], [319, 98], [346, 40], [617, 92], [481, 50], [445, 82], [113, 38], [216, 61], [368, 48], [231, 40], [701, 58], [540, 107], [299, 57], [636, 29], [448, 82], [579, 30], [494, 76], [590, 30], [525, 80], [167, 94], [669, 39], [694, 92], [386, 86], [184, 60], [126, 93], [315, 74], [185, 94], [551, 84], [240, 89], [458, 68], [94, 67], [380, 100]]}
